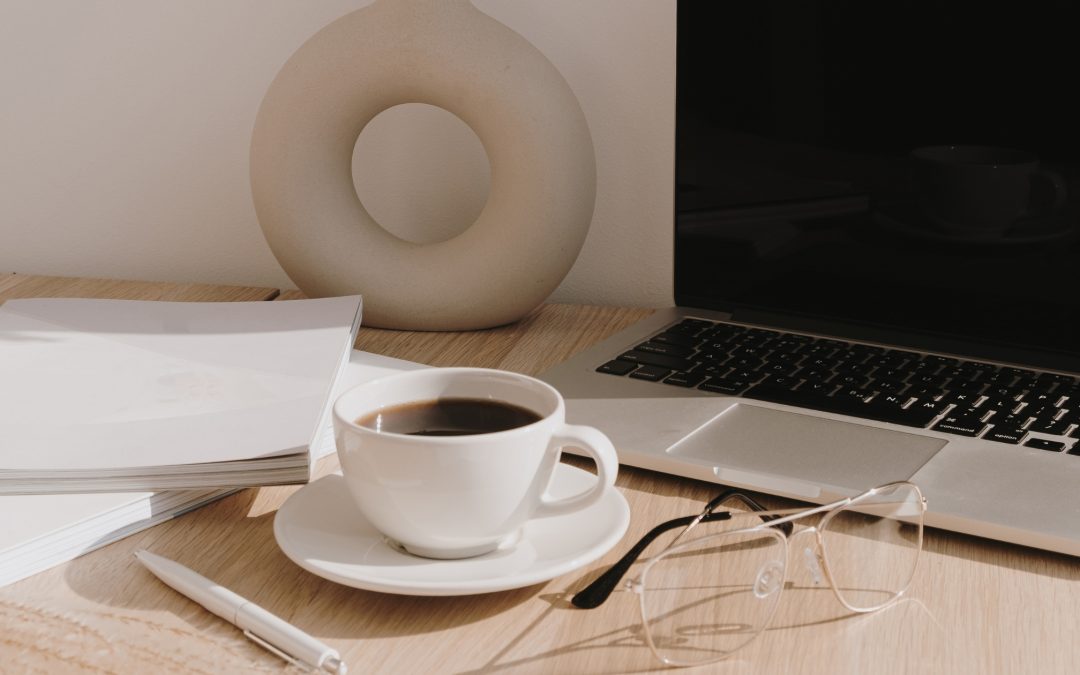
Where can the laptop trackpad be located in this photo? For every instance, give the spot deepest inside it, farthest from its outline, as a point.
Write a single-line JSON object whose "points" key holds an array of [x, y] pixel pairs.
{"points": [[773, 449]]}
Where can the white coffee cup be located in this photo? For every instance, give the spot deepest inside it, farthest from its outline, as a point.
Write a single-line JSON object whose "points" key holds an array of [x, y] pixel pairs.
{"points": [[979, 189], [461, 496]]}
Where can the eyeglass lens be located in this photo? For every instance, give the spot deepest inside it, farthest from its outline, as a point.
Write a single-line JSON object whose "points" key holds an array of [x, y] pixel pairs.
{"points": [[709, 597], [871, 547], [706, 598]]}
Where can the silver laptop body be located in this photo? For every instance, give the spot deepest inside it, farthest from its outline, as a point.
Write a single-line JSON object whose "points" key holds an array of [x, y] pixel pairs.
{"points": [[1008, 492], [807, 202]]}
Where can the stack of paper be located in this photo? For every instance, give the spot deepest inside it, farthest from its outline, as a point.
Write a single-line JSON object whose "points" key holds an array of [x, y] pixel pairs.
{"points": [[100, 396], [111, 395], [40, 531]]}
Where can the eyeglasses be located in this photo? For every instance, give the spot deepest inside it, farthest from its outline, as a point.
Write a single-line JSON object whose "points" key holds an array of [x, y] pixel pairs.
{"points": [[703, 598]]}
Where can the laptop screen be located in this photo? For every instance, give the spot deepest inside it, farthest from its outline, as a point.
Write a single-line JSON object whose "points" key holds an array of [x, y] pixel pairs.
{"points": [[912, 168]]}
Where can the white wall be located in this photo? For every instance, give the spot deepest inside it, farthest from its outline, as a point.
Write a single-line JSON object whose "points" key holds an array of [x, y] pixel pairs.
{"points": [[124, 131]]}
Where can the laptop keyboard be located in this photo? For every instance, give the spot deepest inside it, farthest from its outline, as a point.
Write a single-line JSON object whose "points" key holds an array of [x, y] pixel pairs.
{"points": [[943, 393]]}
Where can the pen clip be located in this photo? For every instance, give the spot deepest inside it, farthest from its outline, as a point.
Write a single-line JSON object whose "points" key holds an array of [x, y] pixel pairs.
{"points": [[274, 650]]}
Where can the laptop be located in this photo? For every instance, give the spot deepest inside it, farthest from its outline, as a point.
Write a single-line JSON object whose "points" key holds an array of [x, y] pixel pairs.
{"points": [[831, 331]]}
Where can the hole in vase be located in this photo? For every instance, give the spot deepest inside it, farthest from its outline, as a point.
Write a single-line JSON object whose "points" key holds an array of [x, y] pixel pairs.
{"points": [[421, 172]]}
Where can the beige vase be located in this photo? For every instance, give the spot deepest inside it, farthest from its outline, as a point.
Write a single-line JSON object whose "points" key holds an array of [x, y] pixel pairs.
{"points": [[448, 54]]}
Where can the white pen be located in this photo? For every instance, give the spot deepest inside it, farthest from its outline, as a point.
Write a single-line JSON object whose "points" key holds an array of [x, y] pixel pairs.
{"points": [[259, 625]]}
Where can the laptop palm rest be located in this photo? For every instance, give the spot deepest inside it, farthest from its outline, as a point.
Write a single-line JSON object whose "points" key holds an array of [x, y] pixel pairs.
{"points": [[787, 452]]}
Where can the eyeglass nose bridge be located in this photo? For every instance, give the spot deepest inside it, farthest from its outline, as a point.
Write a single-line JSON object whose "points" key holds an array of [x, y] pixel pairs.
{"points": [[770, 579], [810, 553]]}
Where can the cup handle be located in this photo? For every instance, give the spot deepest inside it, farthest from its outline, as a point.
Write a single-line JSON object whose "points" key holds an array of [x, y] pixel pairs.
{"points": [[595, 444], [1056, 185]]}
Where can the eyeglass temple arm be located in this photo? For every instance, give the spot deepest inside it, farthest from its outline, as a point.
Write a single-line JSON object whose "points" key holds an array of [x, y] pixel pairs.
{"points": [[598, 591], [751, 503]]}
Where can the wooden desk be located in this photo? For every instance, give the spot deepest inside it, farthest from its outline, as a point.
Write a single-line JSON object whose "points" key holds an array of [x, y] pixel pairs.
{"points": [[976, 606]]}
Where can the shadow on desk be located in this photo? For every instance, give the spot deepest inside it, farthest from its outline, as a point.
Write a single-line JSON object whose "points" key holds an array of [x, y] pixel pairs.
{"points": [[240, 553], [625, 640]]}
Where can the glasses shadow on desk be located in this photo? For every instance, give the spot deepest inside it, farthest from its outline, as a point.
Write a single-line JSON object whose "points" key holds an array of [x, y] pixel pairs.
{"points": [[628, 634]]}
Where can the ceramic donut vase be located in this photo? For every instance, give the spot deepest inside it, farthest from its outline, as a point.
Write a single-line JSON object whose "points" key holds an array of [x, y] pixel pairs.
{"points": [[448, 54]]}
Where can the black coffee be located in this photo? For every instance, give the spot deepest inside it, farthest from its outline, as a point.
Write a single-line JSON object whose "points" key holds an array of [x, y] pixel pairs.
{"points": [[449, 417]]}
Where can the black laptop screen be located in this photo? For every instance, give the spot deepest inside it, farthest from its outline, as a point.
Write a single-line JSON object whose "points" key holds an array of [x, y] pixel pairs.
{"points": [[910, 166]]}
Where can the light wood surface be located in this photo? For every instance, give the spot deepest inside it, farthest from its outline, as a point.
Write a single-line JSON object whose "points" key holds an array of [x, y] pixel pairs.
{"points": [[976, 606]]}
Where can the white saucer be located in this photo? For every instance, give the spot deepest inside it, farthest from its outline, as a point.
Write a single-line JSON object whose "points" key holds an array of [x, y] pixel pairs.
{"points": [[907, 219], [320, 529]]}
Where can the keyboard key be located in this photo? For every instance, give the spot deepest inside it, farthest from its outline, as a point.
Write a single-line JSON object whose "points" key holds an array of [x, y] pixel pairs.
{"points": [[647, 359], [1013, 393], [888, 362], [813, 374], [690, 326], [866, 349], [1043, 413], [894, 400], [1055, 377], [650, 373], [854, 394], [966, 385], [713, 368], [851, 380], [745, 362], [711, 355], [1070, 416], [816, 351], [891, 374], [900, 353], [616, 367], [681, 351], [1073, 392], [762, 333], [887, 385], [748, 341], [1018, 372], [1011, 435], [745, 375], [675, 339], [961, 426], [685, 379], [838, 344], [928, 405], [911, 416], [969, 411], [933, 381], [750, 352], [779, 368], [924, 367], [786, 346], [1000, 406], [1048, 426], [1033, 398], [819, 387], [1018, 421], [786, 357], [1043, 444], [724, 386], [782, 381], [960, 398]]}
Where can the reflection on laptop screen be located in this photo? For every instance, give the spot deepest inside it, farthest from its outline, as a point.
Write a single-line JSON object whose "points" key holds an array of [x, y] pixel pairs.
{"points": [[904, 166]]}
